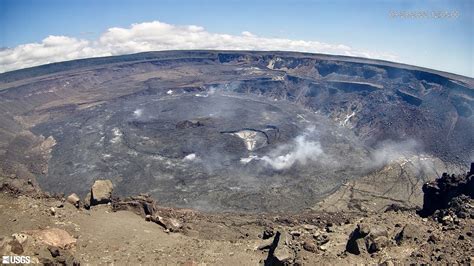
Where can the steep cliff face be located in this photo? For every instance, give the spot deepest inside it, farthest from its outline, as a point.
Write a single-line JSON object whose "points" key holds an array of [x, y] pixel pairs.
{"points": [[220, 130]]}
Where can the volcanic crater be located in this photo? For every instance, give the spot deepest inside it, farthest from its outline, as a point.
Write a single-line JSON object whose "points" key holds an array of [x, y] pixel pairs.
{"points": [[235, 130]]}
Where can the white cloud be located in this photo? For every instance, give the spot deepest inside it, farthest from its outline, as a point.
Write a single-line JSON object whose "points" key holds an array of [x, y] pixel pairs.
{"points": [[155, 36]]}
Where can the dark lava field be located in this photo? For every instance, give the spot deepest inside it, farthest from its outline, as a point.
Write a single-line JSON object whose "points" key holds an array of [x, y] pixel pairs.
{"points": [[231, 131]]}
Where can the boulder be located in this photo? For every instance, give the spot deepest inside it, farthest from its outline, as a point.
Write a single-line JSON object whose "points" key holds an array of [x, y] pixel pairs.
{"points": [[142, 205], [280, 252], [36, 245], [367, 239], [10, 246], [358, 247], [16, 247], [283, 254], [377, 231], [171, 224], [363, 229], [54, 237], [52, 211], [295, 233], [310, 246], [439, 193], [266, 244], [21, 238], [87, 201], [101, 192], [376, 244], [268, 233], [409, 232], [320, 239], [74, 199], [323, 247]]}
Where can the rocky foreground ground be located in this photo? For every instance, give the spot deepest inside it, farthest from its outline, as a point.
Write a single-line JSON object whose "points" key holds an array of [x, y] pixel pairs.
{"points": [[101, 229]]}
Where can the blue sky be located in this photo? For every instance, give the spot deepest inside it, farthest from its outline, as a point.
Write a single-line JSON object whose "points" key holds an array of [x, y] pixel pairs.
{"points": [[443, 43]]}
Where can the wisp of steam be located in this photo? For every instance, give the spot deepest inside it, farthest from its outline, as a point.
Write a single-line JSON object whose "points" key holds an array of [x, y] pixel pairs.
{"points": [[303, 151]]}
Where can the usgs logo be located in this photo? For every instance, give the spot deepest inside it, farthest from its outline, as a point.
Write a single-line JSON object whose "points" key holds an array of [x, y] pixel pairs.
{"points": [[16, 260]]}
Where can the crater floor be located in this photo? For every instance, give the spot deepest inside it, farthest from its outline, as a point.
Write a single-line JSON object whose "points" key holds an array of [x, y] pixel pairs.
{"points": [[140, 143]]}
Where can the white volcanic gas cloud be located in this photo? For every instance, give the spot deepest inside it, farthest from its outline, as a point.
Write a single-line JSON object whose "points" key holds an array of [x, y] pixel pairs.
{"points": [[302, 151], [155, 36], [138, 113], [388, 151]]}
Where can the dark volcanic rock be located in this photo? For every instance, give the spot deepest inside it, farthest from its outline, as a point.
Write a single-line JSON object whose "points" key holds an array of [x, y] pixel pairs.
{"points": [[189, 124], [16, 247], [267, 233], [439, 193], [367, 239], [408, 232], [54, 251], [142, 205], [458, 207]]}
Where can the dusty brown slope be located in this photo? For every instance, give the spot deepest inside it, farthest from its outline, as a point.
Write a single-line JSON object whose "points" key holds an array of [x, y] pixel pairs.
{"points": [[105, 234]]}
